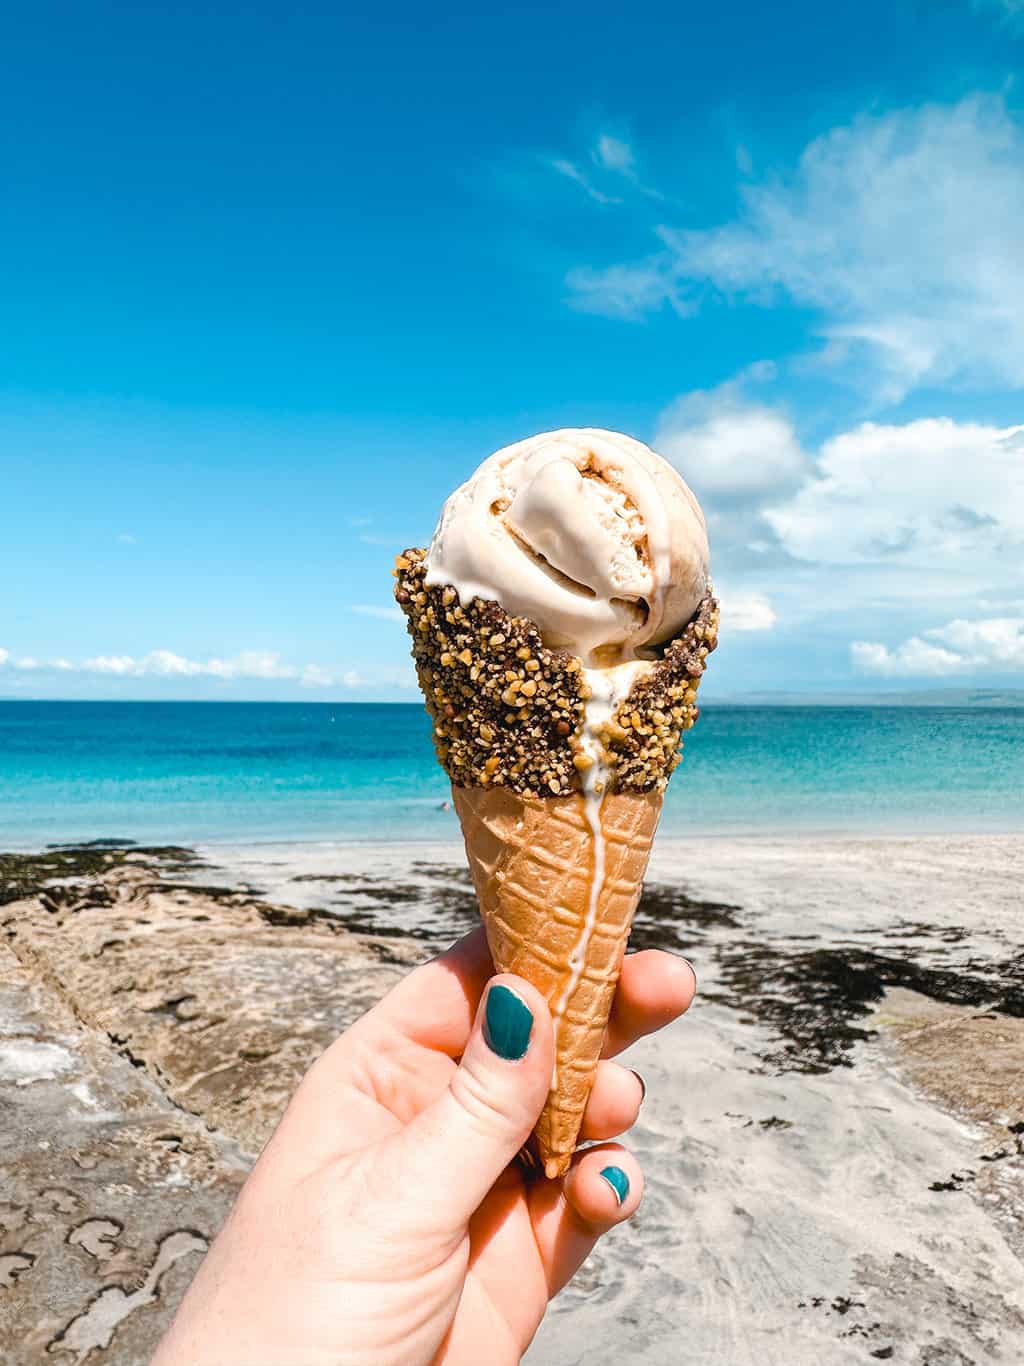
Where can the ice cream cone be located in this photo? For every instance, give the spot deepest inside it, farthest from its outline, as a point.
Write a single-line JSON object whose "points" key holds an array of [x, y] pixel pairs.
{"points": [[561, 622], [532, 861]]}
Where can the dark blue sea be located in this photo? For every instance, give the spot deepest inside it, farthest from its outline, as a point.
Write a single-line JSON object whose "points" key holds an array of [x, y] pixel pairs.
{"points": [[249, 772]]}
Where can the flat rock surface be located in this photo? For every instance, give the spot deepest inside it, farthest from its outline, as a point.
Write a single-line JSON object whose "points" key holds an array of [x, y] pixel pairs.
{"points": [[109, 1194], [150, 1036]]}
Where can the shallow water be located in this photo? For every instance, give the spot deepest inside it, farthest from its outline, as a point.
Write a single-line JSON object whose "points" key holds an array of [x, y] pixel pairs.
{"points": [[230, 772]]}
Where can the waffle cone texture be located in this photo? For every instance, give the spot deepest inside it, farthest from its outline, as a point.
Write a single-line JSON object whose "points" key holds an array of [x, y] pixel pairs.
{"points": [[532, 862], [507, 714]]}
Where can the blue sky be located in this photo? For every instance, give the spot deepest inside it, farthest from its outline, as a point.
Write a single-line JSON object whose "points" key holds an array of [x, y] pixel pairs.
{"points": [[273, 283]]}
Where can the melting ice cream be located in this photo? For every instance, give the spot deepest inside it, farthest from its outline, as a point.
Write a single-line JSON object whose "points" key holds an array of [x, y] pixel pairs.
{"points": [[588, 533]]}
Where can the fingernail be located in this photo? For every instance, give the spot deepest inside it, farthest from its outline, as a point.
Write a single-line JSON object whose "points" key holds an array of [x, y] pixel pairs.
{"points": [[643, 1084], [692, 969], [619, 1182], [508, 1021]]}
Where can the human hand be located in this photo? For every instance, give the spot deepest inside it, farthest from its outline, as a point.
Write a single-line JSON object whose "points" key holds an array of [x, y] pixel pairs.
{"points": [[386, 1221]]}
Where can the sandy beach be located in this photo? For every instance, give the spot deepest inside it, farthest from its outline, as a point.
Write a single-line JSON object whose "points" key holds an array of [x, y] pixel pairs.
{"points": [[832, 1137]]}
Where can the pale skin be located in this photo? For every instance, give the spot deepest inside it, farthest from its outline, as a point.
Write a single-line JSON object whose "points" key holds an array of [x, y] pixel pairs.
{"points": [[387, 1221]]}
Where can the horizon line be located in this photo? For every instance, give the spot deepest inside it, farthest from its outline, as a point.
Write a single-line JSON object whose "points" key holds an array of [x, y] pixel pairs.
{"points": [[783, 698]]}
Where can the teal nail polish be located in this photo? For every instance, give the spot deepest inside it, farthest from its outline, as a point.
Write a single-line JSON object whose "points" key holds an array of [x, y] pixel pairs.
{"points": [[507, 1023], [618, 1180]]}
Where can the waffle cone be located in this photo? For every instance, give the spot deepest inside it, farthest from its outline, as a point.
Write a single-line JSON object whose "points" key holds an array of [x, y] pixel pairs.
{"points": [[532, 861]]}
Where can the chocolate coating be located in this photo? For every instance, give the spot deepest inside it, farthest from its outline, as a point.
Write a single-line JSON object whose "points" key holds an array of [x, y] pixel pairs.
{"points": [[507, 710]]}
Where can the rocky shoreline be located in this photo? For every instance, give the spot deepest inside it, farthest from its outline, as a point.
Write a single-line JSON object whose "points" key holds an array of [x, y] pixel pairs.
{"points": [[151, 1032], [833, 1138]]}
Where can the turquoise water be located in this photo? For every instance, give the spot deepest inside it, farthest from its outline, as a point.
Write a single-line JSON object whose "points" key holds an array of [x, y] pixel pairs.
{"points": [[227, 772]]}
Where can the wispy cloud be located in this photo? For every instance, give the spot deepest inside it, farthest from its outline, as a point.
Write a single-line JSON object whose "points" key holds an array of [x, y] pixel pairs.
{"points": [[264, 666], [370, 609], [614, 168], [629, 292], [167, 664], [249, 664], [126, 538], [617, 156], [961, 647], [571, 171], [902, 231]]}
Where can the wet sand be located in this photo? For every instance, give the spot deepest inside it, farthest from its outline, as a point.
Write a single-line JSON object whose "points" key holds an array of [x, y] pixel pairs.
{"points": [[832, 1137]]}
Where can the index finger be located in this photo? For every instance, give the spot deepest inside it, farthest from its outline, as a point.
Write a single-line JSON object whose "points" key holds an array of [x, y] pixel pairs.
{"points": [[435, 1005]]}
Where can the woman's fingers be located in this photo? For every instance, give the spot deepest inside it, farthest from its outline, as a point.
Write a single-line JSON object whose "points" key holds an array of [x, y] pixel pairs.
{"points": [[435, 1005], [457, 1147], [614, 1102], [654, 989], [603, 1188]]}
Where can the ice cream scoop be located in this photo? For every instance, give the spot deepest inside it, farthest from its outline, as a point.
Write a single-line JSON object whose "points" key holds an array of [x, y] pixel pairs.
{"points": [[588, 533], [553, 573]]}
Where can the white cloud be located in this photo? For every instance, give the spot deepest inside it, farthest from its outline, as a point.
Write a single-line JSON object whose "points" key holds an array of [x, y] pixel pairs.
{"points": [[249, 664], [746, 611], [570, 170], [169, 665], [263, 664], [962, 647], [861, 537], [110, 664], [737, 453], [997, 641], [126, 538], [903, 231], [932, 493], [373, 610], [914, 658], [729, 446]]}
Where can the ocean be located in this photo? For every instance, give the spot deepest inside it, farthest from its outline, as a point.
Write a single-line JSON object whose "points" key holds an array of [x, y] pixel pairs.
{"points": [[172, 772]]}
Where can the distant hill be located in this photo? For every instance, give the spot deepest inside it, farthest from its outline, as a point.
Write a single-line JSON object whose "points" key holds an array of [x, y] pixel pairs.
{"points": [[930, 697]]}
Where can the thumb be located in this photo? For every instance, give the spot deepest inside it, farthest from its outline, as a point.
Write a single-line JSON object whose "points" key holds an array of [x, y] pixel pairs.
{"points": [[464, 1141]]}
